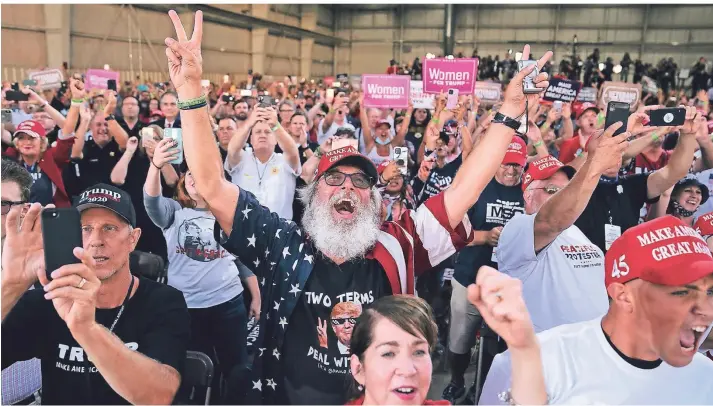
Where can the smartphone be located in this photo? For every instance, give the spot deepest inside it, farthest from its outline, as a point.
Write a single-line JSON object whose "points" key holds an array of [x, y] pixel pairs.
{"points": [[345, 142], [557, 105], [264, 101], [330, 95], [177, 135], [6, 116], [228, 98], [528, 83], [61, 233], [16, 95], [401, 158], [617, 112], [667, 117], [111, 84], [452, 99], [29, 82], [146, 134], [245, 93]]}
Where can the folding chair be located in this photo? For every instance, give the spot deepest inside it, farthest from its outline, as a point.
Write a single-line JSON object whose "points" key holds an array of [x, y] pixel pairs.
{"points": [[197, 373], [148, 265]]}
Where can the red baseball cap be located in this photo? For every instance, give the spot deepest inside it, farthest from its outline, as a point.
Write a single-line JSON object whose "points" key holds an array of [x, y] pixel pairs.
{"points": [[664, 251], [516, 153], [156, 112], [704, 224], [30, 127], [382, 166], [586, 106], [346, 156], [544, 168]]}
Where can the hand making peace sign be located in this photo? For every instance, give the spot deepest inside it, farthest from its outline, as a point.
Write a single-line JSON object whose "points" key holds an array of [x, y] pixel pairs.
{"points": [[185, 63]]}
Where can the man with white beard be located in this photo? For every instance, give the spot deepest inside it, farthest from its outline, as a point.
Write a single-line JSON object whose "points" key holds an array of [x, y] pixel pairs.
{"points": [[343, 254]]}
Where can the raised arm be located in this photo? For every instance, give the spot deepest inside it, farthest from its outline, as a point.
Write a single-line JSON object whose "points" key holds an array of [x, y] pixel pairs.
{"points": [[114, 129], [401, 135], [567, 127], [706, 144], [681, 158], [56, 115], [563, 209], [79, 136], [480, 167], [121, 168], [201, 151], [285, 141], [237, 143], [76, 87], [366, 130]]}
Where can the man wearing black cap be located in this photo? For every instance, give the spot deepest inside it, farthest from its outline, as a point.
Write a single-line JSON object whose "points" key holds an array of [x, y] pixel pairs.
{"points": [[342, 253], [103, 335]]}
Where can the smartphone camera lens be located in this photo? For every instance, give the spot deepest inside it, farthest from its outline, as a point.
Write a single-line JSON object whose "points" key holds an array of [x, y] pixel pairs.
{"points": [[54, 214]]}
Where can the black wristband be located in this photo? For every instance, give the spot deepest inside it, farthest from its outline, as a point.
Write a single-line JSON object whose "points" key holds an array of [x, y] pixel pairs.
{"points": [[501, 118], [156, 166]]}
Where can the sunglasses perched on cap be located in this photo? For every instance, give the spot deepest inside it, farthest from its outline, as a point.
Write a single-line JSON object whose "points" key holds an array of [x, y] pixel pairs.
{"points": [[339, 322], [7, 205], [359, 180], [549, 189]]}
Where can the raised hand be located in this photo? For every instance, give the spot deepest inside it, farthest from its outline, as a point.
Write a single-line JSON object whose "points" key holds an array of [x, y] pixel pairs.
{"points": [[132, 144], [165, 152], [605, 151], [33, 95], [23, 253], [110, 107], [85, 113], [73, 291], [322, 332], [498, 298], [514, 104], [76, 87], [185, 62], [691, 125]]}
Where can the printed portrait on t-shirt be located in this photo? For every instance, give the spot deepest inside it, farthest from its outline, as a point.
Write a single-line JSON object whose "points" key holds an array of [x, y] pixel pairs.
{"points": [[342, 319], [195, 237]]}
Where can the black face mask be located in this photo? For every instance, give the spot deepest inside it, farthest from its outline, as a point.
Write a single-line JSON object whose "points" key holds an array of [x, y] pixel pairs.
{"points": [[679, 211]]}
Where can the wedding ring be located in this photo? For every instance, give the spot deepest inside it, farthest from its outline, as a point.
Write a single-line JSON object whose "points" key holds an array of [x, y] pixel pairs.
{"points": [[81, 283]]}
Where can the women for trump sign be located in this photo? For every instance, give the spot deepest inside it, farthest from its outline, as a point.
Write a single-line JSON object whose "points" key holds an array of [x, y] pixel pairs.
{"points": [[384, 91], [443, 74]]}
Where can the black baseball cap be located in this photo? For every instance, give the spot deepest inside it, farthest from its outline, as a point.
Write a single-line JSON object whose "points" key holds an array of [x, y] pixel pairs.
{"points": [[109, 197]]}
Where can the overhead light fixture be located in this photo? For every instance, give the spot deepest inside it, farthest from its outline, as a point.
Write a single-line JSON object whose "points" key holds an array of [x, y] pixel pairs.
{"points": [[106, 66], [580, 63], [674, 43], [430, 56], [617, 69], [222, 49]]}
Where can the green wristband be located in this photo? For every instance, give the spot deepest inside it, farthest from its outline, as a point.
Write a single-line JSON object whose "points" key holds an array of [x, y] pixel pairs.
{"points": [[435, 120], [192, 103], [654, 137], [273, 129], [537, 144]]}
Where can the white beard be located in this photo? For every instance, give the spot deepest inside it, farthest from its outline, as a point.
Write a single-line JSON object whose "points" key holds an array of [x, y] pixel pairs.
{"points": [[345, 239]]}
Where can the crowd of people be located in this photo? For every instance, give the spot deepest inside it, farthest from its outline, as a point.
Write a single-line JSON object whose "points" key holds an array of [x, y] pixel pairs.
{"points": [[316, 264]]}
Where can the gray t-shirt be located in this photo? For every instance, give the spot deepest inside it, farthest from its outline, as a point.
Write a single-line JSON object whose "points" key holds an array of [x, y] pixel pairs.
{"points": [[198, 265], [563, 283]]}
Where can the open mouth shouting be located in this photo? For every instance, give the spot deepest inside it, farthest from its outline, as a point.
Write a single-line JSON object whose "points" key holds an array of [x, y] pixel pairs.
{"points": [[405, 393], [690, 338], [345, 208]]}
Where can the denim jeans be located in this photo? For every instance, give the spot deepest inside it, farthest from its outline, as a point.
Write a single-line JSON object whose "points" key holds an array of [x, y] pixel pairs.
{"points": [[220, 332]]}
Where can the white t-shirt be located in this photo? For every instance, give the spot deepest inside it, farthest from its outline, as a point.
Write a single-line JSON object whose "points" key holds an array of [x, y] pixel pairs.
{"points": [[272, 183], [322, 136], [563, 283], [582, 368]]}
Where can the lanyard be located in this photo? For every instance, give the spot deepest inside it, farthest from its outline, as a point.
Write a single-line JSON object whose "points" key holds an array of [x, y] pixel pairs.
{"points": [[123, 305], [257, 168]]}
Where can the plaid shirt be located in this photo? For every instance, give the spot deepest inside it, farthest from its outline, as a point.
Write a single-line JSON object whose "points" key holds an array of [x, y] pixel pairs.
{"points": [[282, 257]]}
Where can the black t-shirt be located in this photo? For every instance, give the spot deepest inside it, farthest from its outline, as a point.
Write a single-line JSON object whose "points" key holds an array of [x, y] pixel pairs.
{"points": [[132, 132], [438, 180], [494, 208], [316, 370], [41, 190], [155, 322], [616, 203], [94, 167]]}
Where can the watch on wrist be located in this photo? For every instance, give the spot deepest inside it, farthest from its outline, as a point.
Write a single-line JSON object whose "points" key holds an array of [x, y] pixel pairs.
{"points": [[110, 117], [501, 118]]}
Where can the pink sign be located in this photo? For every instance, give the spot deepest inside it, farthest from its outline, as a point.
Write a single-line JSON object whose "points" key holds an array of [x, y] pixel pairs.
{"points": [[97, 78], [443, 74], [386, 90]]}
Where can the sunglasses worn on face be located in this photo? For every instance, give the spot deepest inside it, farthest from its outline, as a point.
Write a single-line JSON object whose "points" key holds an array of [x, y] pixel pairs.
{"points": [[359, 180], [550, 190], [339, 322], [7, 205]]}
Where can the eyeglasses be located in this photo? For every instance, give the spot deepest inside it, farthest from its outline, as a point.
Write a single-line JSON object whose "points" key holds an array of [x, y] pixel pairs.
{"points": [[287, 111], [359, 180], [7, 206], [550, 190], [339, 322]]}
